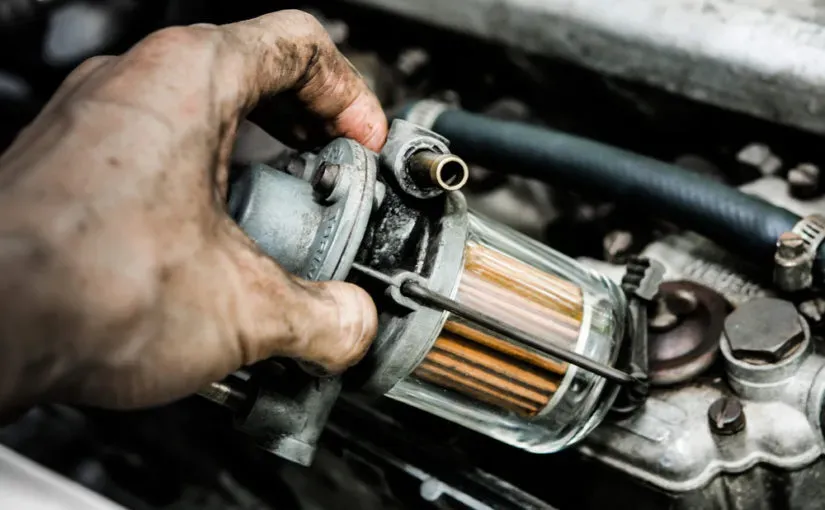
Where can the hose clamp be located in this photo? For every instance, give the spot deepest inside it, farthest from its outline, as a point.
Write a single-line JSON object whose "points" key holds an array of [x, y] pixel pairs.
{"points": [[812, 231], [796, 253], [426, 112]]}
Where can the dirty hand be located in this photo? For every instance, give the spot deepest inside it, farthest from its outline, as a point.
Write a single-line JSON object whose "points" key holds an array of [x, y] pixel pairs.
{"points": [[124, 282]]}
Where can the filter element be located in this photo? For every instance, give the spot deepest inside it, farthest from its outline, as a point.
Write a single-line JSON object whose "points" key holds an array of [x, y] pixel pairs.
{"points": [[499, 386], [492, 369]]}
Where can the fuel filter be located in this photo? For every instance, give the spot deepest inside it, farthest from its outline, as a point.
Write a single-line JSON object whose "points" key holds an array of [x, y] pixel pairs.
{"points": [[504, 336]]}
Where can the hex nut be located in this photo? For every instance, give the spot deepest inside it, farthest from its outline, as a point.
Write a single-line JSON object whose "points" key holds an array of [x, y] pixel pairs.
{"points": [[764, 330]]}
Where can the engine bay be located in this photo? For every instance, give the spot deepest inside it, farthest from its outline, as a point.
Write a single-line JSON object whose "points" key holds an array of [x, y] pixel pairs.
{"points": [[594, 237]]}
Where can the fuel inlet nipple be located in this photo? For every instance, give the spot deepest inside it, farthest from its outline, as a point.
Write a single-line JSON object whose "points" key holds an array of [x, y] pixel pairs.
{"points": [[421, 163], [444, 171]]}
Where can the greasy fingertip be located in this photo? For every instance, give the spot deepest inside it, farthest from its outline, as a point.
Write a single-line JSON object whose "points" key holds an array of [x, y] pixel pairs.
{"points": [[364, 121]]}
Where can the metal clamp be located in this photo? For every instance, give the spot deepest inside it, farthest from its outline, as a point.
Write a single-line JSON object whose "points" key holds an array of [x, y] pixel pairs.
{"points": [[393, 284], [796, 253], [812, 231], [641, 286], [418, 292]]}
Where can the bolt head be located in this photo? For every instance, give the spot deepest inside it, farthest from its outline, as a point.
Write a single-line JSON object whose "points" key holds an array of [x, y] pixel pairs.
{"points": [[764, 330], [726, 416], [790, 245]]}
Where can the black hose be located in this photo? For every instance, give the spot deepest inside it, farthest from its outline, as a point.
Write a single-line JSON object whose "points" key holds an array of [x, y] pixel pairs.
{"points": [[739, 222]]}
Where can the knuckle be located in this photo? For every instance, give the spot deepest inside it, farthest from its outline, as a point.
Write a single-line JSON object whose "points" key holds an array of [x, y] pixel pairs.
{"points": [[173, 36], [204, 26], [173, 40], [305, 28], [94, 62], [301, 19], [87, 67]]}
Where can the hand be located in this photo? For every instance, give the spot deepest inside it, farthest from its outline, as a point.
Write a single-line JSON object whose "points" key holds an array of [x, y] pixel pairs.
{"points": [[124, 281]]}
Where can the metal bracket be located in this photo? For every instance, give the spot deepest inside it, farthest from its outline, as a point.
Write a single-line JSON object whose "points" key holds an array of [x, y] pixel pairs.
{"points": [[412, 288], [641, 285], [287, 424], [393, 283]]}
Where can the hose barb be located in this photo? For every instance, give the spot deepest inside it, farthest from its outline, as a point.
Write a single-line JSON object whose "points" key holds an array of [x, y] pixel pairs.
{"points": [[444, 171]]}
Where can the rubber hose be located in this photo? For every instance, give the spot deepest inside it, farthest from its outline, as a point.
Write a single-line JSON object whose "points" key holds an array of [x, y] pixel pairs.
{"points": [[739, 222]]}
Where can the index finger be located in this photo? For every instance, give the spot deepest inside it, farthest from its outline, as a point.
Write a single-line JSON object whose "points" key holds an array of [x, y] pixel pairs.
{"points": [[232, 67], [290, 50]]}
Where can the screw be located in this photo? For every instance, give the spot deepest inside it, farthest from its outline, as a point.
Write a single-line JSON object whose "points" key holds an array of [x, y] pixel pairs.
{"points": [[617, 245], [726, 416], [325, 178], [804, 181]]}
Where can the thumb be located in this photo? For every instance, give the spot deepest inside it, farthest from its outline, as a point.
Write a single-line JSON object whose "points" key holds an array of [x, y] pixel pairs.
{"points": [[343, 324], [330, 324]]}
